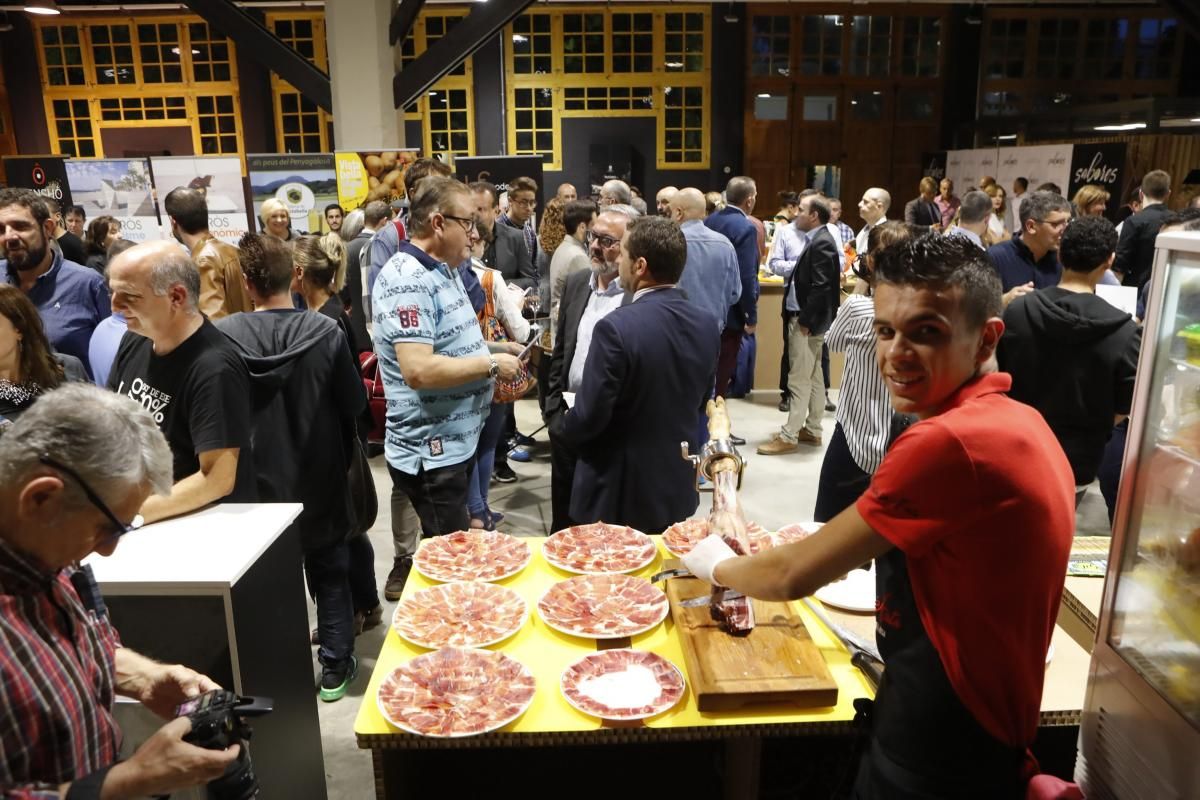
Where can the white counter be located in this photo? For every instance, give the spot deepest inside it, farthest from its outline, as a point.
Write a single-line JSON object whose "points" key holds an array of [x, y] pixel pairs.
{"points": [[210, 549]]}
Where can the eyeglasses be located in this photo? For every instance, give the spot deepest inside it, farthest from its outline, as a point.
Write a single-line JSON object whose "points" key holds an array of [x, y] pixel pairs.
{"points": [[469, 224], [119, 528], [530, 203], [605, 241]]}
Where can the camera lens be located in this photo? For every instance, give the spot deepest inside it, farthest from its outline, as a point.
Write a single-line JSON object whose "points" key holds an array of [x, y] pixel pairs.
{"points": [[239, 781]]}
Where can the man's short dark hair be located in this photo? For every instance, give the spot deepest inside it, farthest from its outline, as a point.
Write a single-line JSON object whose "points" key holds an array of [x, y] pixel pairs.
{"points": [[976, 207], [1087, 243], [486, 186], [661, 243], [421, 169], [522, 184], [1183, 216], [788, 198], [937, 262], [331, 207], [28, 199], [578, 212], [376, 212], [739, 190], [78, 211], [434, 196], [820, 206], [266, 262], [1049, 186], [189, 208], [1156, 185], [1022, 182], [1041, 204]]}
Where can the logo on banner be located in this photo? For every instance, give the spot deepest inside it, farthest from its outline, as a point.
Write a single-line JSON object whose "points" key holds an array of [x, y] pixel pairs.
{"points": [[1097, 172], [38, 175], [1057, 160]]}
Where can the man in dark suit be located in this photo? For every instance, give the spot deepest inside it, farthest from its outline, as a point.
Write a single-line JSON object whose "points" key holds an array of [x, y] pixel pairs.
{"points": [[587, 297], [650, 367], [506, 250], [1135, 249], [734, 222], [923, 210], [810, 300]]}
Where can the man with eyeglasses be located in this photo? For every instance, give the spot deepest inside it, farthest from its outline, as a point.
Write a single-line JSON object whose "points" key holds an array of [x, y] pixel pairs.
{"points": [[1030, 261], [506, 249], [437, 369], [587, 298], [522, 202], [74, 470]]}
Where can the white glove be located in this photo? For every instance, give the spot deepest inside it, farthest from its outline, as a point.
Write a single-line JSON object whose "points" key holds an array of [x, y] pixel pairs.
{"points": [[705, 556]]}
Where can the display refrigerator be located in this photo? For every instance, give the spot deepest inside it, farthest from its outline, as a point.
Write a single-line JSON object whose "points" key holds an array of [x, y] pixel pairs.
{"points": [[1140, 734]]}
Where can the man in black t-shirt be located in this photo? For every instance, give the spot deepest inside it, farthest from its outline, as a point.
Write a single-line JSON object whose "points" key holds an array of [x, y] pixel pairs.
{"points": [[187, 374]]}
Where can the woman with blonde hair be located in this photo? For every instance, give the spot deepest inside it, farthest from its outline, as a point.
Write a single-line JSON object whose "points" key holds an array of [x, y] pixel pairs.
{"points": [[1091, 201], [318, 274], [276, 220], [997, 230]]}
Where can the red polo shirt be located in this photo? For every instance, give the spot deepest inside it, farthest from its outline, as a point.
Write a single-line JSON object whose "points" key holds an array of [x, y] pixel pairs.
{"points": [[981, 501]]}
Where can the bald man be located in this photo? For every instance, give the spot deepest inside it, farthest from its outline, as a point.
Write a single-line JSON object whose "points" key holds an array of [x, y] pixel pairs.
{"points": [[186, 374], [566, 193], [663, 198], [873, 209], [710, 278]]}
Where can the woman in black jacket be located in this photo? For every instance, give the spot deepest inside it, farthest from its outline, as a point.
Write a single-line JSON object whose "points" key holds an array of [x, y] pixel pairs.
{"points": [[101, 233]]}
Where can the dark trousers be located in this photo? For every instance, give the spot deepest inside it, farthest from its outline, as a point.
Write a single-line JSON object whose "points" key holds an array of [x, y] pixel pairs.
{"points": [[438, 495], [507, 431], [543, 378], [562, 476], [363, 589], [1110, 467], [328, 573], [825, 366], [785, 364], [731, 343], [842, 480]]}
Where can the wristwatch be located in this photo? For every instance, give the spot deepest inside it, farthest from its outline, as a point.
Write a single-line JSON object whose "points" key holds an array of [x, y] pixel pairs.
{"points": [[493, 367]]}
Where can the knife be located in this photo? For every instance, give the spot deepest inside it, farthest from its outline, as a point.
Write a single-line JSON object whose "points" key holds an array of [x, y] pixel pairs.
{"points": [[703, 600], [863, 654]]}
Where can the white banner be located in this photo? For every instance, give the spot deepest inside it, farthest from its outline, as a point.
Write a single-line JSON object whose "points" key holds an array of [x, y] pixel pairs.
{"points": [[119, 188], [219, 177], [966, 167], [1037, 163]]}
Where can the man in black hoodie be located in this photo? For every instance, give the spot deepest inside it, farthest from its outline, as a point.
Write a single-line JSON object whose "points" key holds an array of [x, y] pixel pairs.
{"points": [[1071, 354], [306, 395]]}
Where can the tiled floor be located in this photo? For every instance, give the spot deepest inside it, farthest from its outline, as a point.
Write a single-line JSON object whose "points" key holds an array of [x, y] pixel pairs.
{"points": [[777, 490]]}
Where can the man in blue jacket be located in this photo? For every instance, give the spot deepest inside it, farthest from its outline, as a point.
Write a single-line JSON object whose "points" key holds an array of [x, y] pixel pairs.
{"points": [[734, 223]]}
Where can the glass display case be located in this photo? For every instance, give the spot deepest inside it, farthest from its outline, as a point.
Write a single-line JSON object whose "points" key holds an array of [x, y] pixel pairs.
{"points": [[1141, 725]]}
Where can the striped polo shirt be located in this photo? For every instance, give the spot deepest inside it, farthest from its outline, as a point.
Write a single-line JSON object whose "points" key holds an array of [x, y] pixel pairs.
{"points": [[421, 300]]}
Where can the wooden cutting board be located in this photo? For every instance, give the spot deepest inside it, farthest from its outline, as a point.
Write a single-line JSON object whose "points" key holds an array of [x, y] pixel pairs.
{"points": [[777, 663]]}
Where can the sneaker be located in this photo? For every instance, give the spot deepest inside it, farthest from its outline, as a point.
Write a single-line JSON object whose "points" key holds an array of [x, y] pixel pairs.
{"points": [[397, 578], [336, 680], [496, 516], [504, 474], [777, 446], [804, 437], [520, 455], [785, 405], [524, 441]]}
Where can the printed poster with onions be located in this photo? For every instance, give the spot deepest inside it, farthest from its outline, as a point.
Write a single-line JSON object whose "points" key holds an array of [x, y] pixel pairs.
{"points": [[304, 183], [219, 178], [120, 188], [372, 175]]}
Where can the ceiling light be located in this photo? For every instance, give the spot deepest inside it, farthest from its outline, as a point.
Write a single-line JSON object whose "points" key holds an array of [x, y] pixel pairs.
{"points": [[175, 50], [1129, 126], [43, 7], [764, 94], [519, 39], [1007, 137], [674, 65]]}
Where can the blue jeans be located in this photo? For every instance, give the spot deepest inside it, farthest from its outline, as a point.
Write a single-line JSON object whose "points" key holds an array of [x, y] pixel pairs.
{"points": [[485, 459], [363, 588], [328, 571]]}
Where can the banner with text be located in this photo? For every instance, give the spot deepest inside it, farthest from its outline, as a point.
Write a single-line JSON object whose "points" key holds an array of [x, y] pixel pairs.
{"points": [[45, 175], [304, 183], [375, 175], [1102, 165], [120, 188], [1043, 163], [219, 178], [966, 167]]}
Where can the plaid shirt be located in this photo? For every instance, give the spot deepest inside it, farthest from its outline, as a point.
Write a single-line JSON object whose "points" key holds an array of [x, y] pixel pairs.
{"points": [[57, 677]]}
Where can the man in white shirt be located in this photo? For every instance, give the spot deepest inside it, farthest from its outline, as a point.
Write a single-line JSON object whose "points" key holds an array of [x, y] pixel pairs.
{"points": [[873, 209], [1019, 187]]}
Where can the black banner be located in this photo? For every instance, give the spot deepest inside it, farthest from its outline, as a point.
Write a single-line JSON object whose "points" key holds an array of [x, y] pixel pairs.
{"points": [[502, 169], [45, 175], [933, 165], [1101, 165]]}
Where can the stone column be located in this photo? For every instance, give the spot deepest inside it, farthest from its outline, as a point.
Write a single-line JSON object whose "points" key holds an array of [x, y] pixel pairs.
{"points": [[361, 66]]}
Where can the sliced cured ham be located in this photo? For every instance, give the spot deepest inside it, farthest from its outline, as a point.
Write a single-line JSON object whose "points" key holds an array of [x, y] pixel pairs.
{"points": [[599, 548], [622, 684], [456, 692], [603, 606], [680, 538], [795, 532], [471, 556], [464, 614]]}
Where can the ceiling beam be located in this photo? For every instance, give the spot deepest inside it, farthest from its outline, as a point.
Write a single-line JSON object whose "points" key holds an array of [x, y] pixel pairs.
{"points": [[403, 17], [484, 21], [256, 41]]}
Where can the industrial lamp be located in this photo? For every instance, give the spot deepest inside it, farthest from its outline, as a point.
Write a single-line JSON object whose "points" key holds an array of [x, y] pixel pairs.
{"points": [[44, 7]]}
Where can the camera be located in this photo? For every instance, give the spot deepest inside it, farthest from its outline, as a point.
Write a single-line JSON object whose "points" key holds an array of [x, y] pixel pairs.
{"points": [[218, 721]]}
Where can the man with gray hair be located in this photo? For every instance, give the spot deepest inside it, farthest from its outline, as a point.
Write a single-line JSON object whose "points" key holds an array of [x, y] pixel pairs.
{"points": [[74, 470], [974, 212], [616, 192], [1030, 261], [187, 375]]}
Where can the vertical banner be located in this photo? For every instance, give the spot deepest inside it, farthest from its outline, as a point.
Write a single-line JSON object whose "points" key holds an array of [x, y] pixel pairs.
{"points": [[305, 183], [1048, 163], [219, 178], [1101, 165], [966, 167], [45, 175], [371, 175], [120, 188]]}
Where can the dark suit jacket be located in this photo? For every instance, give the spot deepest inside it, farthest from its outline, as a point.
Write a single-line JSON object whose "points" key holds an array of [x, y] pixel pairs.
{"points": [[918, 212], [815, 277], [1135, 249], [650, 367], [740, 231], [508, 254]]}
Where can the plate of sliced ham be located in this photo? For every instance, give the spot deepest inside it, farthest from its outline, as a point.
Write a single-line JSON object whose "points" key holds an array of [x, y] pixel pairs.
{"points": [[680, 538], [603, 606], [794, 532], [599, 548], [456, 692], [471, 556], [622, 684], [463, 614]]}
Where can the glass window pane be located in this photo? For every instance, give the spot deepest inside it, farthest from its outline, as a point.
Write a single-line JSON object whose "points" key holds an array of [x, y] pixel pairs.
{"points": [[819, 108]]}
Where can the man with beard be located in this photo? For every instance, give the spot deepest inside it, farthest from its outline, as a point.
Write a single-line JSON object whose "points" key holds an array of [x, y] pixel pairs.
{"points": [[70, 298], [587, 297]]}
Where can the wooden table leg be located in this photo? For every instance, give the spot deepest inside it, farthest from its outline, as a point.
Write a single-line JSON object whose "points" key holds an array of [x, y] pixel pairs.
{"points": [[743, 763], [377, 767]]}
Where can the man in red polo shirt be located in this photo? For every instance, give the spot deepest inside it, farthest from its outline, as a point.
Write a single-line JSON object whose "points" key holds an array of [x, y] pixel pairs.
{"points": [[970, 517]]}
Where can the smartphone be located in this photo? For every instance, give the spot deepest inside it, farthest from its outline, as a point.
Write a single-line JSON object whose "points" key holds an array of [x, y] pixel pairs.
{"points": [[529, 348]]}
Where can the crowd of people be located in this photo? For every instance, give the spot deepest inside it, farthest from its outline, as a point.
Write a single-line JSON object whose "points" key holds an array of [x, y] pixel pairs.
{"points": [[975, 344]]}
